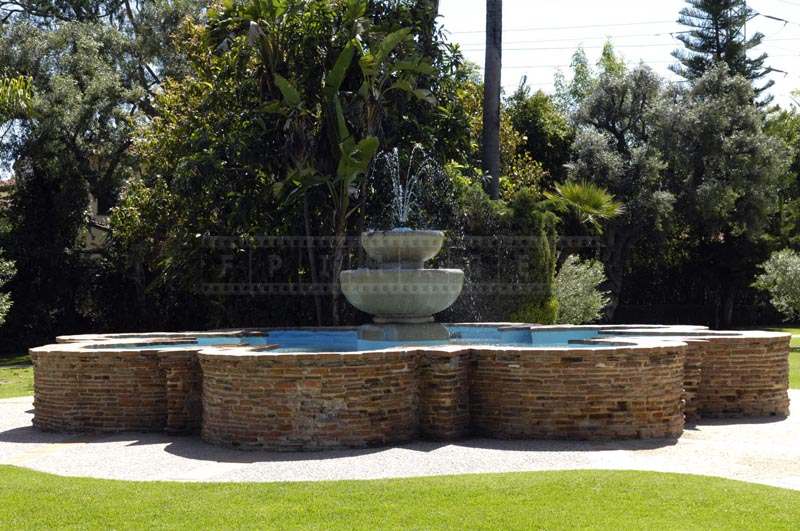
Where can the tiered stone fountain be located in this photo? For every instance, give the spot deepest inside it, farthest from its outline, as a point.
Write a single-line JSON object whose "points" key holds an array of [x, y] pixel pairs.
{"points": [[400, 294]]}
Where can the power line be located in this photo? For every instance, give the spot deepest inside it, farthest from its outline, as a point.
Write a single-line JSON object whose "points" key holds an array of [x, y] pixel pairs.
{"points": [[516, 67], [553, 28], [766, 42], [581, 38], [580, 46]]}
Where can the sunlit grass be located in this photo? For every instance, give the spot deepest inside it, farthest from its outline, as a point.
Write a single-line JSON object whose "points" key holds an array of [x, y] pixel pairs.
{"points": [[15, 380], [543, 500]]}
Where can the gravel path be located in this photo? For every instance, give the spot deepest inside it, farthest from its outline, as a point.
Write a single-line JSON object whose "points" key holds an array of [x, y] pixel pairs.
{"points": [[761, 451]]}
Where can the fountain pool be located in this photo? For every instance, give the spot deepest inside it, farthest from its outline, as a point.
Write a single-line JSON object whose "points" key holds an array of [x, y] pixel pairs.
{"points": [[348, 340]]}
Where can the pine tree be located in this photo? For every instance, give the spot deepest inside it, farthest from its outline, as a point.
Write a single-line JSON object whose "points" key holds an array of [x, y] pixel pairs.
{"points": [[718, 34]]}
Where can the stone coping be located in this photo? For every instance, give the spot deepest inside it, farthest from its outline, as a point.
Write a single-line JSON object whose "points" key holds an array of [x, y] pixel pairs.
{"points": [[615, 337], [619, 337], [238, 332]]}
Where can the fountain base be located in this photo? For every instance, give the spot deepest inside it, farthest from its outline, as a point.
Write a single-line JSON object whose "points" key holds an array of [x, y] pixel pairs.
{"points": [[405, 331], [396, 319]]}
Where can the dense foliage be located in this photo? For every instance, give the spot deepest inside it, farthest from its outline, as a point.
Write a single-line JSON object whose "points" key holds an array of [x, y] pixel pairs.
{"points": [[781, 279], [236, 147], [577, 290]]}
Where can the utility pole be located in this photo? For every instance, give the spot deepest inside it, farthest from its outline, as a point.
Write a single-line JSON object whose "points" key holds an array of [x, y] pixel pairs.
{"points": [[491, 94]]}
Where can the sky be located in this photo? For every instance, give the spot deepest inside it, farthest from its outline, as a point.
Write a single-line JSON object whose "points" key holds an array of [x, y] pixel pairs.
{"points": [[539, 37]]}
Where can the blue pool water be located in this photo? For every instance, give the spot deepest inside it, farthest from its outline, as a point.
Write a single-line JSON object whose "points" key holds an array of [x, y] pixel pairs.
{"points": [[347, 340]]}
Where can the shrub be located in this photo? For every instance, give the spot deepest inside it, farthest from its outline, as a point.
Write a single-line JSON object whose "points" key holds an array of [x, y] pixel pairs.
{"points": [[781, 279], [7, 271], [577, 291], [537, 313]]}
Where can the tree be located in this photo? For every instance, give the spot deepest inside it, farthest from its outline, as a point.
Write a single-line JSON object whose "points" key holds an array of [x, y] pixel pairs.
{"points": [[615, 149], [546, 132], [327, 146], [784, 125], [586, 203], [717, 34], [491, 96], [577, 290], [780, 277], [15, 98], [256, 121], [569, 95], [93, 68], [726, 171], [7, 271]]}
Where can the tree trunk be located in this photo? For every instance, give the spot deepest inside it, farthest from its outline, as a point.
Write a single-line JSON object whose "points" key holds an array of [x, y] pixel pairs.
{"points": [[728, 306], [427, 11], [340, 236], [491, 94], [614, 263], [312, 259]]}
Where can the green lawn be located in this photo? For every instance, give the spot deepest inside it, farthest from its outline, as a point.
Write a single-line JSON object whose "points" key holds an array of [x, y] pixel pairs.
{"points": [[794, 358], [573, 499], [15, 381]]}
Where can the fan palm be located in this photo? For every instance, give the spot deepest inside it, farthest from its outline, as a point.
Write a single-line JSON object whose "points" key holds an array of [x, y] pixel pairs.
{"points": [[589, 204]]}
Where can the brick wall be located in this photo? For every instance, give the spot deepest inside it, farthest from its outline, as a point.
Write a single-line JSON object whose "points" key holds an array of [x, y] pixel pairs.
{"points": [[692, 376], [92, 391], [745, 378], [309, 402], [598, 394], [318, 401], [137, 390], [444, 411]]}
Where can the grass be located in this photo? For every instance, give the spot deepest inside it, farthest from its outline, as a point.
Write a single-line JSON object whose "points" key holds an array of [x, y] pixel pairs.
{"points": [[572, 499], [14, 380], [794, 358]]}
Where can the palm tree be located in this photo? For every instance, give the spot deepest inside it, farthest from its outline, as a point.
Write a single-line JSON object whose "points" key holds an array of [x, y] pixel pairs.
{"points": [[583, 207], [491, 94], [586, 203]]}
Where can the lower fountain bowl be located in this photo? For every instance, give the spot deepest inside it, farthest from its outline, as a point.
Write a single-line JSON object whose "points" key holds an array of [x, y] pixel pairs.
{"points": [[402, 295]]}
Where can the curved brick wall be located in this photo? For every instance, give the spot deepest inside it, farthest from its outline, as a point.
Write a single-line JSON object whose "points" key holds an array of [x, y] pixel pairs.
{"points": [[90, 391], [745, 378], [84, 390], [309, 401], [591, 394], [731, 374], [250, 399]]}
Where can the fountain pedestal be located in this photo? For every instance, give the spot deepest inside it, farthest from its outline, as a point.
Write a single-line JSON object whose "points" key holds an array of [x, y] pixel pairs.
{"points": [[400, 294]]}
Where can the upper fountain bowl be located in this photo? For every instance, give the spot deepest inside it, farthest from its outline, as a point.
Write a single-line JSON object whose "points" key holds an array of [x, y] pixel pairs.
{"points": [[402, 248]]}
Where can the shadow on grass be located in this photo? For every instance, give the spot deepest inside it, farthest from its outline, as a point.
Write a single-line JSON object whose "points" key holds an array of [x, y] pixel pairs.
{"points": [[20, 360]]}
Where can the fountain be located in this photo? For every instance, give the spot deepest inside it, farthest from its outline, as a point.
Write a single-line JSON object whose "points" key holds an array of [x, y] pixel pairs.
{"points": [[407, 377], [401, 294]]}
